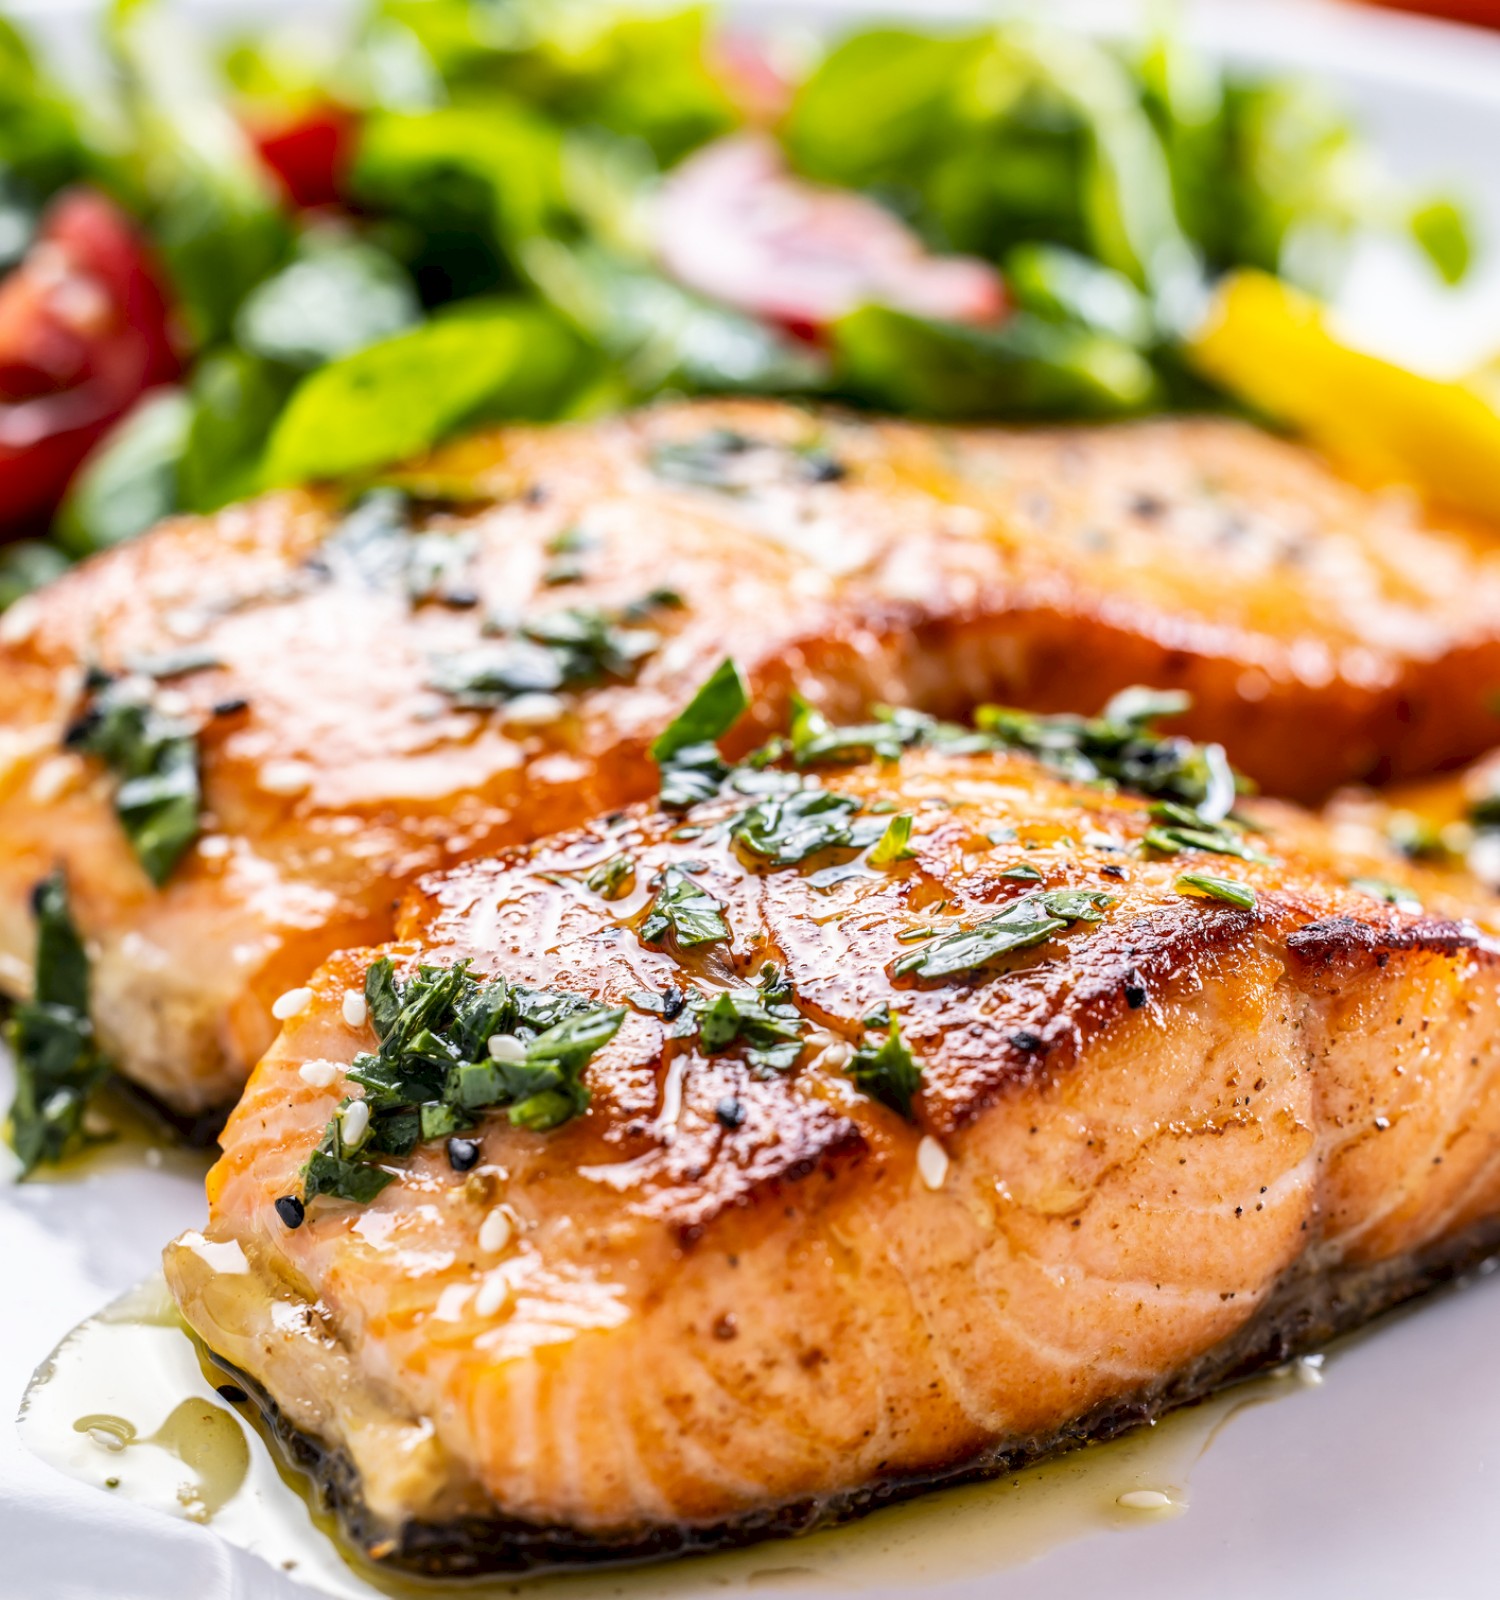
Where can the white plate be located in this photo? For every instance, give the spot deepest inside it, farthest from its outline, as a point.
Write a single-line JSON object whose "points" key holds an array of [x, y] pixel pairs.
{"points": [[1381, 1482]]}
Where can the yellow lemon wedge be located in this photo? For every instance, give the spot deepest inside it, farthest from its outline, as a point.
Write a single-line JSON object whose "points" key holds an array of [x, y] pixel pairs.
{"points": [[1270, 345]]}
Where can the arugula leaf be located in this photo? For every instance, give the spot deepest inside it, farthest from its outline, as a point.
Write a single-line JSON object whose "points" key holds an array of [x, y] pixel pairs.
{"points": [[484, 360], [154, 756], [887, 1071], [58, 1061], [129, 481], [1229, 890], [26, 566], [686, 911], [686, 749], [1030, 920], [337, 296], [452, 1046]]}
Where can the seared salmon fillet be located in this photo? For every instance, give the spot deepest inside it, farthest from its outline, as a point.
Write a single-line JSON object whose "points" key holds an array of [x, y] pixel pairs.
{"points": [[937, 1112], [296, 709]]}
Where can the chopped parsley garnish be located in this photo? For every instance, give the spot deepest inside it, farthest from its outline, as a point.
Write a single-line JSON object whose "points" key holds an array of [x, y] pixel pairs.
{"points": [[1030, 920], [567, 649], [706, 461], [1119, 746], [685, 911], [764, 1018], [887, 1071], [1394, 894], [154, 757], [1229, 890], [785, 828], [686, 750], [453, 1046], [1022, 873], [613, 878], [1178, 827], [378, 544], [58, 1061], [894, 844]]}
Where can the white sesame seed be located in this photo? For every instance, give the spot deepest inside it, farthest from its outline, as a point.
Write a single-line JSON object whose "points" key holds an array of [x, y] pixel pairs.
{"points": [[534, 710], [52, 779], [495, 1231], [317, 1074], [932, 1162], [356, 1011], [493, 1293], [837, 1055], [1144, 1500], [507, 1048], [355, 1120], [285, 777], [173, 703], [1309, 1370], [213, 847], [291, 1004]]}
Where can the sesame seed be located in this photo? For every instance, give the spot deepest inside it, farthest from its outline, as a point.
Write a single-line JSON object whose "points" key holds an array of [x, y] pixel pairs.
{"points": [[291, 1210], [291, 1004], [1144, 1500], [932, 1162], [1309, 1370], [463, 1154], [534, 710], [317, 1074], [506, 1048], [493, 1293], [354, 1122], [213, 847], [285, 777], [495, 1231], [52, 779], [356, 1010]]}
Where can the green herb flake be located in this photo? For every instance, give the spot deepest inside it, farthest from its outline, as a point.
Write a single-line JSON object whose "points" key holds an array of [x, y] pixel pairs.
{"points": [[1030, 920], [613, 878], [154, 757], [1178, 827], [58, 1061], [764, 1018], [1229, 890], [684, 910], [784, 829], [686, 750], [437, 1069], [1394, 894], [1023, 873], [894, 845], [887, 1071]]}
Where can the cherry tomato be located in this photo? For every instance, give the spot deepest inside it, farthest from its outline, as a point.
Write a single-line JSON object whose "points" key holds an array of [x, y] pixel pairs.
{"points": [[308, 153], [85, 330], [734, 224]]}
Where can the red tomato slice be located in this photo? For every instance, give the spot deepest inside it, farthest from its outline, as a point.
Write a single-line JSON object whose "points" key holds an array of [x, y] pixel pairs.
{"points": [[309, 153], [734, 224], [84, 332]]}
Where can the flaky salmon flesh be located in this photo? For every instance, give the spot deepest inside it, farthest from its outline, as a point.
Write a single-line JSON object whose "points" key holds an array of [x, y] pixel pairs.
{"points": [[993, 1196], [376, 694]]}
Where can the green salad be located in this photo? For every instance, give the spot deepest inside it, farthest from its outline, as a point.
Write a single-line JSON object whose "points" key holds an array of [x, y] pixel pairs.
{"points": [[310, 264]]}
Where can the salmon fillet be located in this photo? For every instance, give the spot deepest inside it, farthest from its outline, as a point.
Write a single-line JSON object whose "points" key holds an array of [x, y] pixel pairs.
{"points": [[365, 697], [952, 1197]]}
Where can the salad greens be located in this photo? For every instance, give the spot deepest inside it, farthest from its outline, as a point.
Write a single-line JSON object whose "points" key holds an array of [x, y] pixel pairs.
{"points": [[463, 230]]}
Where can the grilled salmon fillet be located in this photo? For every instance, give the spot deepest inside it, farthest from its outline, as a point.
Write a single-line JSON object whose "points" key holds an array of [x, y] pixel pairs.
{"points": [[371, 695], [1165, 1138]]}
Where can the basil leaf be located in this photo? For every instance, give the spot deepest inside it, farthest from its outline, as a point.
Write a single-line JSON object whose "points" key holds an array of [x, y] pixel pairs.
{"points": [[686, 750], [784, 829]]}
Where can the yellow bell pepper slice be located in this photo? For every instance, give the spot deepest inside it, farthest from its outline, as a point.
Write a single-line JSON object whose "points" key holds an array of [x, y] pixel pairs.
{"points": [[1270, 345]]}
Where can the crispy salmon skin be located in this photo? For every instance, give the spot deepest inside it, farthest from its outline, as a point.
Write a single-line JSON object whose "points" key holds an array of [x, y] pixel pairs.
{"points": [[1022, 1118], [375, 694]]}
